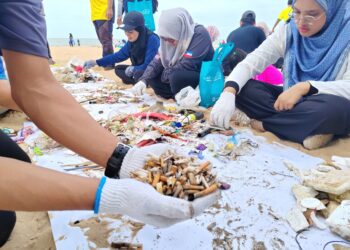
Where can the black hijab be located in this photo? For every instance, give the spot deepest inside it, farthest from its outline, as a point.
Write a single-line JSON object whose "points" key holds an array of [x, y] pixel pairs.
{"points": [[139, 47]]}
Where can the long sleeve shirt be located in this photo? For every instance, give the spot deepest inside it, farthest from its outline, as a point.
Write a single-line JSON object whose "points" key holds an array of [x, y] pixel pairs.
{"points": [[199, 50], [268, 53], [124, 54]]}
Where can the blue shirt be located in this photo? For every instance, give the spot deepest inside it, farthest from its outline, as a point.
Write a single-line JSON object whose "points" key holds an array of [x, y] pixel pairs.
{"points": [[124, 54]]}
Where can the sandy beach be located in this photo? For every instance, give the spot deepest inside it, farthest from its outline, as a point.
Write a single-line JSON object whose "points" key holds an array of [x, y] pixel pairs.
{"points": [[33, 229]]}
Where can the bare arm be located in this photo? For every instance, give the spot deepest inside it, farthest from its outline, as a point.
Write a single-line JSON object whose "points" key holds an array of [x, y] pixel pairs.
{"points": [[54, 110], [25, 187], [120, 12], [5, 96], [110, 10], [276, 23]]}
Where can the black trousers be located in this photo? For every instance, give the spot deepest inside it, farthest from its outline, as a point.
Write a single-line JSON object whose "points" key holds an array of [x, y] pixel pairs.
{"points": [[120, 72], [313, 115], [178, 80], [9, 149]]}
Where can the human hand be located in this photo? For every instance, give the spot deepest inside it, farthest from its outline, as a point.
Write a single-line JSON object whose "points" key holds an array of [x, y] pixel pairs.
{"points": [[129, 71], [288, 99], [223, 110], [137, 157], [119, 20], [109, 13], [139, 88], [142, 202], [89, 64]]}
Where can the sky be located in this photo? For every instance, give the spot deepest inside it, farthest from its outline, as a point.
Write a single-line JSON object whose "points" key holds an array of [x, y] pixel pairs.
{"points": [[73, 16]]}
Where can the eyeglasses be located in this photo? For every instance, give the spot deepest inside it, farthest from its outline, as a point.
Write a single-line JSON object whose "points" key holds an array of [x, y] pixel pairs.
{"points": [[310, 20]]}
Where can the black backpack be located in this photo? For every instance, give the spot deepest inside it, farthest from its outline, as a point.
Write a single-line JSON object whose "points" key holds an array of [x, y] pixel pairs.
{"points": [[154, 5]]}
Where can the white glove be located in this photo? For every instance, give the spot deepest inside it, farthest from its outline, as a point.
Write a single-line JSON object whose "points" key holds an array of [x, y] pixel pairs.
{"points": [[89, 64], [223, 110], [137, 157], [142, 202], [129, 71], [139, 88]]}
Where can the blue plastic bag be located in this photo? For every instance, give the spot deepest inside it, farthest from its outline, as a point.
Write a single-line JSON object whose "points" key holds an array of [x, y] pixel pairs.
{"points": [[2, 71], [146, 8], [212, 79]]}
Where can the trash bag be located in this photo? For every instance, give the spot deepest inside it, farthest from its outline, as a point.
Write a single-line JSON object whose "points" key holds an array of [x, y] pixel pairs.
{"points": [[211, 81]]}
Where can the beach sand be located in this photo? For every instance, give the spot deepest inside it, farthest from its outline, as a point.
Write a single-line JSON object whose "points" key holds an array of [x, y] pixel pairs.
{"points": [[33, 229]]}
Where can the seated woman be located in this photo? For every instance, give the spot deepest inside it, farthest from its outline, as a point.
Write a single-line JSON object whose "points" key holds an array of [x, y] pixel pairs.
{"points": [[314, 103], [141, 48], [184, 46]]}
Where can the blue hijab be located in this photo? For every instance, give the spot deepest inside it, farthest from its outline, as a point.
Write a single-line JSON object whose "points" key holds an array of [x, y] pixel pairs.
{"points": [[319, 57]]}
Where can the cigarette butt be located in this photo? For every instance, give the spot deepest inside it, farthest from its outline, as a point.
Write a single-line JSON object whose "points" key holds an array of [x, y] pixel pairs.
{"points": [[149, 175], [203, 167], [198, 179], [169, 191], [173, 169], [177, 190], [163, 178], [159, 187], [207, 191], [188, 169], [182, 180], [182, 194], [162, 162], [204, 182], [125, 245], [193, 187], [192, 191], [171, 181], [156, 179], [192, 178]]}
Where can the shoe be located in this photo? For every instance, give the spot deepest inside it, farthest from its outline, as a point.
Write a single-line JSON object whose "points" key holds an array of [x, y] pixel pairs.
{"points": [[7, 223], [108, 68], [240, 118], [317, 141]]}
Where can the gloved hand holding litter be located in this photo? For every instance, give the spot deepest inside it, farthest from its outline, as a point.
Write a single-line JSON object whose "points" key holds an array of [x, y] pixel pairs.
{"points": [[129, 71], [223, 110], [137, 157], [141, 202], [89, 64], [139, 88]]}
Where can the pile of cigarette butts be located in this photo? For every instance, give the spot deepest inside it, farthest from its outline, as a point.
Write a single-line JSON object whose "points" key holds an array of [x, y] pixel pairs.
{"points": [[178, 176]]}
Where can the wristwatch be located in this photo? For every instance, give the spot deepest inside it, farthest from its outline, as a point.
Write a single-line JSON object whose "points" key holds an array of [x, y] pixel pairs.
{"points": [[114, 162]]}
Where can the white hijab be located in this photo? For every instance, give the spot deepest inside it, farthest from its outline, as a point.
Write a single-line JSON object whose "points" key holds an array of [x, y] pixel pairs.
{"points": [[176, 24]]}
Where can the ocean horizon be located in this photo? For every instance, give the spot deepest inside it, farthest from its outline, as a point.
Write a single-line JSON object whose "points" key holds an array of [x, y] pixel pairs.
{"points": [[83, 42]]}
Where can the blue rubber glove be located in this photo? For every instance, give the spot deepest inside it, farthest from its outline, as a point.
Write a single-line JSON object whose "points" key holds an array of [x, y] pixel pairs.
{"points": [[129, 71], [89, 64]]}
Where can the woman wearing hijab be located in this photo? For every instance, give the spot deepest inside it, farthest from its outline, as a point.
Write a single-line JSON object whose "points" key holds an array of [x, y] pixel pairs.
{"points": [[313, 106], [184, 45], [141, 48]]}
